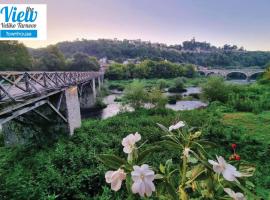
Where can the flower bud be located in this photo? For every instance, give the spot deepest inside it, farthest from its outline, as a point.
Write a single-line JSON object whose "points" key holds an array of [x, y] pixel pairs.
{"points": [[234, 146]]}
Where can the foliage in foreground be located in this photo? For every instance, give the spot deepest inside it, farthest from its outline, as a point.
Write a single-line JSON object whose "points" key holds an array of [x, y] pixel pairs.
{"points": [[189, 176], [69, 169]]}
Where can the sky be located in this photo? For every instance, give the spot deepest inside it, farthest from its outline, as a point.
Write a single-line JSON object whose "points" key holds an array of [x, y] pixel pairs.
{"points": [[241, 22]]}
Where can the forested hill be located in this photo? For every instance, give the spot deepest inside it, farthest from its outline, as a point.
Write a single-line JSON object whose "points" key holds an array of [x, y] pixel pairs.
{"points": [[200, 53]]}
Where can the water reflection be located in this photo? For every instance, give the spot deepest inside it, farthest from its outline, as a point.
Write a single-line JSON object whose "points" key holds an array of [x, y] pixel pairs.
{"points": [[186, 105]]}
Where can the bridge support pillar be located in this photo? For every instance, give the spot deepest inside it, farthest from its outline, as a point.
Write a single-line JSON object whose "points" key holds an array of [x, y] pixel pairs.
{"points": [[88, 95], [72, 105], [94, 89], [99, 82]]}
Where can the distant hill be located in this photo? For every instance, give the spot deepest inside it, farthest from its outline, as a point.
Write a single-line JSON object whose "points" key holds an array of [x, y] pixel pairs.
{"points": [[199, 53]]}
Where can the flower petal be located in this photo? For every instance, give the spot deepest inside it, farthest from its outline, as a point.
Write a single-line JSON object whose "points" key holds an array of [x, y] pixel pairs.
{"points": [[116, 185], [137, 137], [108, 176], [228, 175], [230, 192]]}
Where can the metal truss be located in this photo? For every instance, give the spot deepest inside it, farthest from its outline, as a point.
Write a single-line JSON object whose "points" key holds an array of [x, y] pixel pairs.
{"points": [[16, 86]]}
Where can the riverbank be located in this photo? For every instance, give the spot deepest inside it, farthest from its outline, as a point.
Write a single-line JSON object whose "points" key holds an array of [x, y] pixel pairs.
{"points": [[188, 98]]}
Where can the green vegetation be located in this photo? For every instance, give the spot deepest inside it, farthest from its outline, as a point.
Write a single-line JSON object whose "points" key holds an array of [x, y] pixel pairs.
{"points": [[51, 59], [149, 69], [70, 169], [243, 98], [136, 96], [82, 62], [150, 83], [255, 125], [14, 56], [194, 52], [215, 89], [178, 85]]}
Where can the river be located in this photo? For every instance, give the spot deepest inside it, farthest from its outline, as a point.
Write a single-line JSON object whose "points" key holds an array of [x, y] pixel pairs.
{"points": [[114, 107]]}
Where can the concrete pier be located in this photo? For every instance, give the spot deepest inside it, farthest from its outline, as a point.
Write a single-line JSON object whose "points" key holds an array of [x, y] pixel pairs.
{"points": [[88, 96], [72, 105]]}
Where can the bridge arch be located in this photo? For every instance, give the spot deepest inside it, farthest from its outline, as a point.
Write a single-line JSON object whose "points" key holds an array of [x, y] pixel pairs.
{"points": [[214, 74], [237, 75], [202, 73], [255, 75]]}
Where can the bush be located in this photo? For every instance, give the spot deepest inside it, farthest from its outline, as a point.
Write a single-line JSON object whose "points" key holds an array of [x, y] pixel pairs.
{"points": [[215, 90], [135, 94], [157, 98], [178, 85], [161, 84]]}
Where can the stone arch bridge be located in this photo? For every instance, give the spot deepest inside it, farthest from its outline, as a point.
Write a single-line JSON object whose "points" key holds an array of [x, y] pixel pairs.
{"points": [[247, 74]]}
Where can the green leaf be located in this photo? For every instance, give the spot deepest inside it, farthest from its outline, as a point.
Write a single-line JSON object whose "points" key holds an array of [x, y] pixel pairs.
{"points": [[111, 161], [192, 160], [171, 191], [206, 143], [163, 127], [162, 168], [158, 176], [170, 145], [143, 155]]}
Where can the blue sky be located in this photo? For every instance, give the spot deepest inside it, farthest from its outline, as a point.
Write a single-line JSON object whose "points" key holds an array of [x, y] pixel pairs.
{"points": [[241, 22]]}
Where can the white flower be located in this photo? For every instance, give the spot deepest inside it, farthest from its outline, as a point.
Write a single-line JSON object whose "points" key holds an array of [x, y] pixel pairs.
{"points": [[143, 178], [228, 171], [186, 152], [115, 178], [129, 142], [235, 196], [177, 126]]}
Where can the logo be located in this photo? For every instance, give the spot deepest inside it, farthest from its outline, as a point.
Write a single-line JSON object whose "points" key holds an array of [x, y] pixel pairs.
{"points": [[23, 22]]}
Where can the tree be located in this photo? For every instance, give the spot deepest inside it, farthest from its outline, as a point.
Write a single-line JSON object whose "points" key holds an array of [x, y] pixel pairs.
{"points": [[82, 62], [52, 59], [14, 56], [216, 90], [135, 94], [178, 85], [156, 98]]}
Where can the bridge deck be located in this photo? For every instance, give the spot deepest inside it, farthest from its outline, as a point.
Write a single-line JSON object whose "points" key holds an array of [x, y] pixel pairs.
{"points": [[16, 86]]}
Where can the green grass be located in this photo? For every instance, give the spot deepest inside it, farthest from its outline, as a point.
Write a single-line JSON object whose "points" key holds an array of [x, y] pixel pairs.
{"points": [[256, 126]]}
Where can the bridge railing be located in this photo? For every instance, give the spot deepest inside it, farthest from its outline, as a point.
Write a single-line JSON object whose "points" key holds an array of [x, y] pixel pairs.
{"points": [[16, 85]]}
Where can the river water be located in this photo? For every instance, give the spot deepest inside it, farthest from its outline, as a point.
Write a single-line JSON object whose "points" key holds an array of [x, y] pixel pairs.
{"points": [[114, 107]]}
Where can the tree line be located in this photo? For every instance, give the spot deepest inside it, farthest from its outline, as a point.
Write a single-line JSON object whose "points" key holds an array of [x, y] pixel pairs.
{"points": [[82, 55], [14, 56], [149, 69], [194, 52]]}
